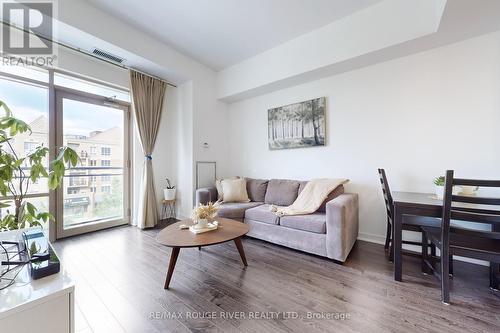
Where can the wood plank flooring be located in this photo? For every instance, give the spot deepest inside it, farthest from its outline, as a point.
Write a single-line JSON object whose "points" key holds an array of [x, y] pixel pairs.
{"points": [[120, 272]]}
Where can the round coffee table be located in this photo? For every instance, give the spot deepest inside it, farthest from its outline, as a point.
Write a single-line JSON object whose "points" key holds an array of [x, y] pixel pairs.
{"points": [[228, 230]]}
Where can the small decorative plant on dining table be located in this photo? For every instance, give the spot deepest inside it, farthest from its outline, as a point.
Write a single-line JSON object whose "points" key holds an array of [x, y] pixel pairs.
{"points": [[439, 186], [18, 172], [203, 213]]}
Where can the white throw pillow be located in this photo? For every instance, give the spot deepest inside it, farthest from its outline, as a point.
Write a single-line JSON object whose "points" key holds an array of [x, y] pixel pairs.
{"points": [[218, 186], [234, 190]]}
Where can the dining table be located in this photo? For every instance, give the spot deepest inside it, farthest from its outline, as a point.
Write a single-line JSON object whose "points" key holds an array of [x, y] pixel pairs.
{"points": [[424, 204]]}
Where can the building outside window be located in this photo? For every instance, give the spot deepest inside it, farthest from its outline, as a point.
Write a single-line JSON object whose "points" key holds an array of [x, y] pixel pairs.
{"points": [[93, 150], [105, 163], [30, 146], [105, 151], [106, 189]]}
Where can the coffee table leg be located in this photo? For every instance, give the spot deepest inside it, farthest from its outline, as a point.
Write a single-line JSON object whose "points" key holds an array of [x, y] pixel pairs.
{"points": [[171, 265], [239, 245]]}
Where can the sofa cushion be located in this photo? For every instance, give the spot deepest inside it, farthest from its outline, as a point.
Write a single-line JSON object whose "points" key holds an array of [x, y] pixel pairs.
{"points": [[235, 210], [312, 222], [256, 189], [302, 184], [281, 192], [234, 190], [218, 186], [262, 214]]}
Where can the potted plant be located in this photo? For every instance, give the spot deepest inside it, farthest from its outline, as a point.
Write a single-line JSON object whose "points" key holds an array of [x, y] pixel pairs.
{"points": [[439, 187], [18, 172], [204, 213], [169, 192]]}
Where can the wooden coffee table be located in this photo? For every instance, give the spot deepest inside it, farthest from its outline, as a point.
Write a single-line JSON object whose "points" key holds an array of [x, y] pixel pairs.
{"points": [[176, 238]]}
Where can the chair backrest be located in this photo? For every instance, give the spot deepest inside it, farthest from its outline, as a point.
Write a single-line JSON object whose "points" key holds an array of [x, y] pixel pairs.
{"points": [[469, 209], [387, 194]]}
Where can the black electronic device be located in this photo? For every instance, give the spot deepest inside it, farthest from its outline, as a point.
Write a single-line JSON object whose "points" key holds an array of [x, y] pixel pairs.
{"points": [[43, 261]]}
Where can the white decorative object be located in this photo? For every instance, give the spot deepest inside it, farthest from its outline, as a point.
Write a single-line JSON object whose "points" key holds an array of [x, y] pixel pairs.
{"points": [[201, 223], [439, 190], [169, 193], [468, 190], [197, 229]]}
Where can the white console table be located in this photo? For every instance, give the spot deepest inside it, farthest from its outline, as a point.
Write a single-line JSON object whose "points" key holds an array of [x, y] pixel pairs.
{"points": [[43, 306]]}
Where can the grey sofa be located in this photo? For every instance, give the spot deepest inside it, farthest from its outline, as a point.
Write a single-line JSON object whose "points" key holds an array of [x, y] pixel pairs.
{"points": [[330, 232]]}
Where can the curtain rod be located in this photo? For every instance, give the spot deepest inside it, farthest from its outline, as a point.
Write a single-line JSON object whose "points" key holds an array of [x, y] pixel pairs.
{"points": [[89, 54]]}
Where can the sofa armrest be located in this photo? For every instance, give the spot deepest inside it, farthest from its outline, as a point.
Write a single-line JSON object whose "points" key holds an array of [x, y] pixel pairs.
{"points": [[341, 225], [205, 195]]}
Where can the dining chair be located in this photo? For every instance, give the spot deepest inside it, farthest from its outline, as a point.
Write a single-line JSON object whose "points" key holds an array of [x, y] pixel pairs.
{"points": [[464, 240], [410, 223]]}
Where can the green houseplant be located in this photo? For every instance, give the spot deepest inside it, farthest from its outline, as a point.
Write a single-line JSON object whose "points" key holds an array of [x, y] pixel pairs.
{"points": [[18, 172]]}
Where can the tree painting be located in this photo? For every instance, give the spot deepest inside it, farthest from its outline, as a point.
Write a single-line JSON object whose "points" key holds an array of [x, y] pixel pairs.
{"points": [[297, 125]]}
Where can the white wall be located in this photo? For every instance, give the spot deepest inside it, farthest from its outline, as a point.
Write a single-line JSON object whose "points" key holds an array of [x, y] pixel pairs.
{"points": [[415, 116]]}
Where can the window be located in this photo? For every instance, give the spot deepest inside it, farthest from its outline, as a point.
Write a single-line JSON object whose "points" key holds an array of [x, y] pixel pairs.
{"points": [[91, 126], [105, 151]]}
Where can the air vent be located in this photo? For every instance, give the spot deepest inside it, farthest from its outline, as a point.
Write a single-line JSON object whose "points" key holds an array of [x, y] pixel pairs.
{"points": [[106, 55]]}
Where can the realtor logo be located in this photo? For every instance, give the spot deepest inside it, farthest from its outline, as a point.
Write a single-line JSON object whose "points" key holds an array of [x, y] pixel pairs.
{"points": [[28, 31]]}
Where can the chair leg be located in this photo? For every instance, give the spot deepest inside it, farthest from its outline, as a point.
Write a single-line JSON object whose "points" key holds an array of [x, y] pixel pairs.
{"points": [[451, 266], [425, 253], [388, 235], [391, 246], [445, 278]]}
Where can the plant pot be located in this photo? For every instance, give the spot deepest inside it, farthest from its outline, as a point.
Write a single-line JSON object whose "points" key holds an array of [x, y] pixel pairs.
{"points": [[439, 190], [169, 193], [202, 223]]}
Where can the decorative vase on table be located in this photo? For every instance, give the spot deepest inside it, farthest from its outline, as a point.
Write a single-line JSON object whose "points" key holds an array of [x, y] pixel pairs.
{"points": [[439, 190], [203, 213]]}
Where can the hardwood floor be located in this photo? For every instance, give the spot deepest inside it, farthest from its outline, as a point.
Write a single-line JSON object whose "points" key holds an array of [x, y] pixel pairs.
{"points": [[119, 276]]}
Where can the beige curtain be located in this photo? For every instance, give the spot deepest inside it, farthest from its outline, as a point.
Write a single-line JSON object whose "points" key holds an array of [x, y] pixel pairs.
{"points": [[147, 96]]}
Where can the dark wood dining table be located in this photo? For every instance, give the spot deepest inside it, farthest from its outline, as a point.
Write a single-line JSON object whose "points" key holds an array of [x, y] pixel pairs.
{"points": [[422, 204]]}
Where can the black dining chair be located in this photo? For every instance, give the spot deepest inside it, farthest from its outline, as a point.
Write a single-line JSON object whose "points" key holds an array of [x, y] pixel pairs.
{"points": [[410, 223], [463, 240]]}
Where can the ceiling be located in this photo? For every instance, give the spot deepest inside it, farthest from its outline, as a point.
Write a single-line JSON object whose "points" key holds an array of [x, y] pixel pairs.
{"points": [[221, 33]]}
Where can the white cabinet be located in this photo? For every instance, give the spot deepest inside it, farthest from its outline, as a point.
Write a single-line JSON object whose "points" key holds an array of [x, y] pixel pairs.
{"points": [[42, 306], [38, 306]]}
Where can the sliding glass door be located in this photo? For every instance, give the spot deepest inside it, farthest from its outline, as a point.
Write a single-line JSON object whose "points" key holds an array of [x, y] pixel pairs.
{"points": [[94, 194]]}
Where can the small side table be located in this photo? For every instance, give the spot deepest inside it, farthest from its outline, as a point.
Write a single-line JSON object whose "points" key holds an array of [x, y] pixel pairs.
{"points": [[168, 209]]}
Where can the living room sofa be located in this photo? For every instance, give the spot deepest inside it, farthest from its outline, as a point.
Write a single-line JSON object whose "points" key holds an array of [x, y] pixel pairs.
{"points": [[331, 231]]}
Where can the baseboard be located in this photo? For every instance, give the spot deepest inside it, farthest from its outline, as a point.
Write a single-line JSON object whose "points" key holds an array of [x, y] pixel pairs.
{"points": [[372, 238], [378, 239]]}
